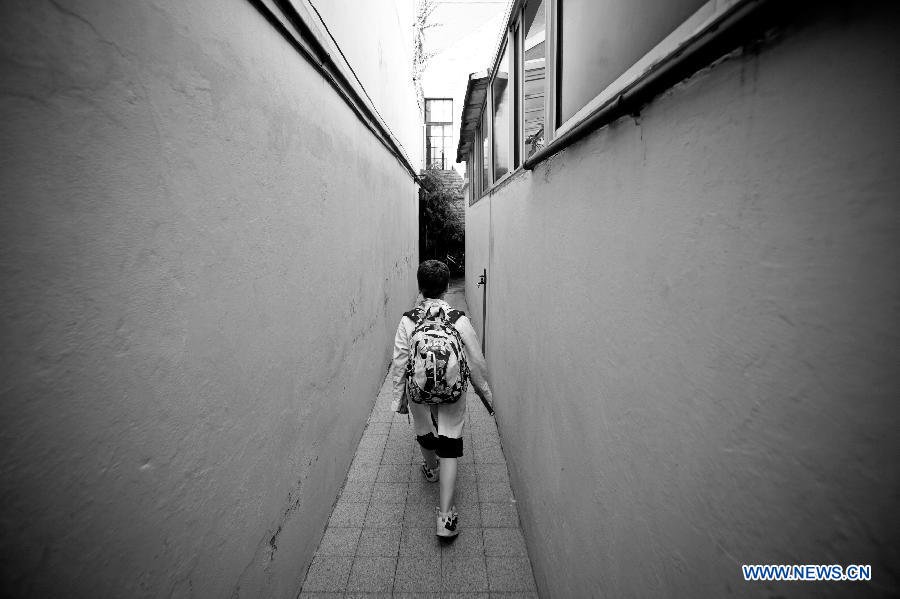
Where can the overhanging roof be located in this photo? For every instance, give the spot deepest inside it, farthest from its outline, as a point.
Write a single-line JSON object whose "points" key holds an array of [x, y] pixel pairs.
{"points": [[476, 90]]}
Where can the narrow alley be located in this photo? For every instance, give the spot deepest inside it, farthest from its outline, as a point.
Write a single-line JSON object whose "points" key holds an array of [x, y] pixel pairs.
{"points": [[380, 539]]}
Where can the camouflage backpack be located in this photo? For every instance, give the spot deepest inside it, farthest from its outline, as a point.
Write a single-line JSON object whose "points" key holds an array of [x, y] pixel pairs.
{"points": [[436, 372]]}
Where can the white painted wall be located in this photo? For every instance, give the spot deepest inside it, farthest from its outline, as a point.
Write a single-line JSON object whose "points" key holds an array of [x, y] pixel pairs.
{"points": [[204, 255], [693, 327], [377, 39]]}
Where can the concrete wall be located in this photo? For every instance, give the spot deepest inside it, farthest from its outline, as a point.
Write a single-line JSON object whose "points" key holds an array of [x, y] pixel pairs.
{"points": [[377, 40], [694, 327], [204, 254]]}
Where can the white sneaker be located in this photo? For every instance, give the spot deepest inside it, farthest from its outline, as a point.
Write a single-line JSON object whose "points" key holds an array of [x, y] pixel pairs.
{"points": [[432, 475], [447, 523]]}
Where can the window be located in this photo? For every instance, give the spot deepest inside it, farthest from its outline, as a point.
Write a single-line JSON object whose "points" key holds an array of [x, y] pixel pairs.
{"points": [[533, 77], [500, 94], [438, 133], [600, 39], [568, 66], [485, 152]]}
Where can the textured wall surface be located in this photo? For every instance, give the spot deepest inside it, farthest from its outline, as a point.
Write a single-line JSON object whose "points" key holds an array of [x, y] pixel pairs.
{"points": [[376, 38], [694, 328], [204, 256]]}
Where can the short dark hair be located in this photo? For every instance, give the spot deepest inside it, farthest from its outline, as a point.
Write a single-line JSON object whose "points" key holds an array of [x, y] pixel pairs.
{"points": [[433, 277]]}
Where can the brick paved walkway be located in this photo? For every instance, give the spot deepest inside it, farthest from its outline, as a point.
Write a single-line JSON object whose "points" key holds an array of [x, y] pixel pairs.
{"points": [[380, 540]]}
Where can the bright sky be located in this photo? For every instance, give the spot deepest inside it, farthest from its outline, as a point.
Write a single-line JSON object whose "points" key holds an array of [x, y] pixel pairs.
{"points": [[460, 19]]}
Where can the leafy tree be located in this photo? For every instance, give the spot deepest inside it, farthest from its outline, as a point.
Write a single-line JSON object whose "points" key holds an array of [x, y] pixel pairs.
{"points": [[441, 228]]}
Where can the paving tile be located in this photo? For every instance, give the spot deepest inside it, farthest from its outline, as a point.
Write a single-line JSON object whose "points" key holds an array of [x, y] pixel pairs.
{"points": [[361, 595], [371, 449], [469, 514], [305, 595], [499, 515], [384, 514], [339, 541], [464, 574], [510, 574], [419, 573], [400, 418], [418, 514], [481, 439], [422, 492], [389, 492], [492, 473], [397, 455], [465, 491], [504, 541], [491, 454], [380, 415], [495, 492], [465, 596], [346, 514], [421, 541], [372, 574], [378, 428], [401, 425], [372, 438], [468, 543], [384, 542], [465, 471], [418, 595], [393, 473], [328, 573], [357, 491], [482, 425], [401, 433], [516, 595], [362, 472]]}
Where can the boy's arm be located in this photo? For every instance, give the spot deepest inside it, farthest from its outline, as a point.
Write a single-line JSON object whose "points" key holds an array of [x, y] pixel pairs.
{"points": [[398, 365], [478, 371]]}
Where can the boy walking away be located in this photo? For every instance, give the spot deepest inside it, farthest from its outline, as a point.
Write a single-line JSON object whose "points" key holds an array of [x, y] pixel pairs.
{"points": [[436, 351]]}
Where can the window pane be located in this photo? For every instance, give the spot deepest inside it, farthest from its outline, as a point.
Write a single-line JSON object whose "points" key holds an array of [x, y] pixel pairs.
{"points": [[601, 39], [502, 117], [533, 78], [438, 111], [485, 152]]}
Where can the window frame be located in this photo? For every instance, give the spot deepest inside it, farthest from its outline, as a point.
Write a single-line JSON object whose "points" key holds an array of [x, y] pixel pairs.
{"points": [[447, 160], [702, 19], [697, 31]]}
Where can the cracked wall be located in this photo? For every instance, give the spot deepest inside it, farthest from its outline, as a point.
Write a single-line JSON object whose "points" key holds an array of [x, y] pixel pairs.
{"points": [[707, 305], [204, 255]]}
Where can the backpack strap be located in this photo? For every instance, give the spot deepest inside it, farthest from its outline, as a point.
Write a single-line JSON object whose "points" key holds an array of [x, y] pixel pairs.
{"points": [[418, 313], [415, 314], [454, 315]]}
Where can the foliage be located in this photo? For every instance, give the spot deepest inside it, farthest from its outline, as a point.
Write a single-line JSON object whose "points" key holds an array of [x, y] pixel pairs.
{"points": [[442, 228]]}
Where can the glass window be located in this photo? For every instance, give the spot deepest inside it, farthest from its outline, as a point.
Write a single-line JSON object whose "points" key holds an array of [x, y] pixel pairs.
{"points": [[438, 133], [502, 117], [534, 54], [439, 110], [485, 152], [600, 39]]}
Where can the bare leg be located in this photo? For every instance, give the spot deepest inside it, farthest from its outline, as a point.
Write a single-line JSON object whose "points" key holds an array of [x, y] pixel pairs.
{"points": [[448, 483], [431, 459]]}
